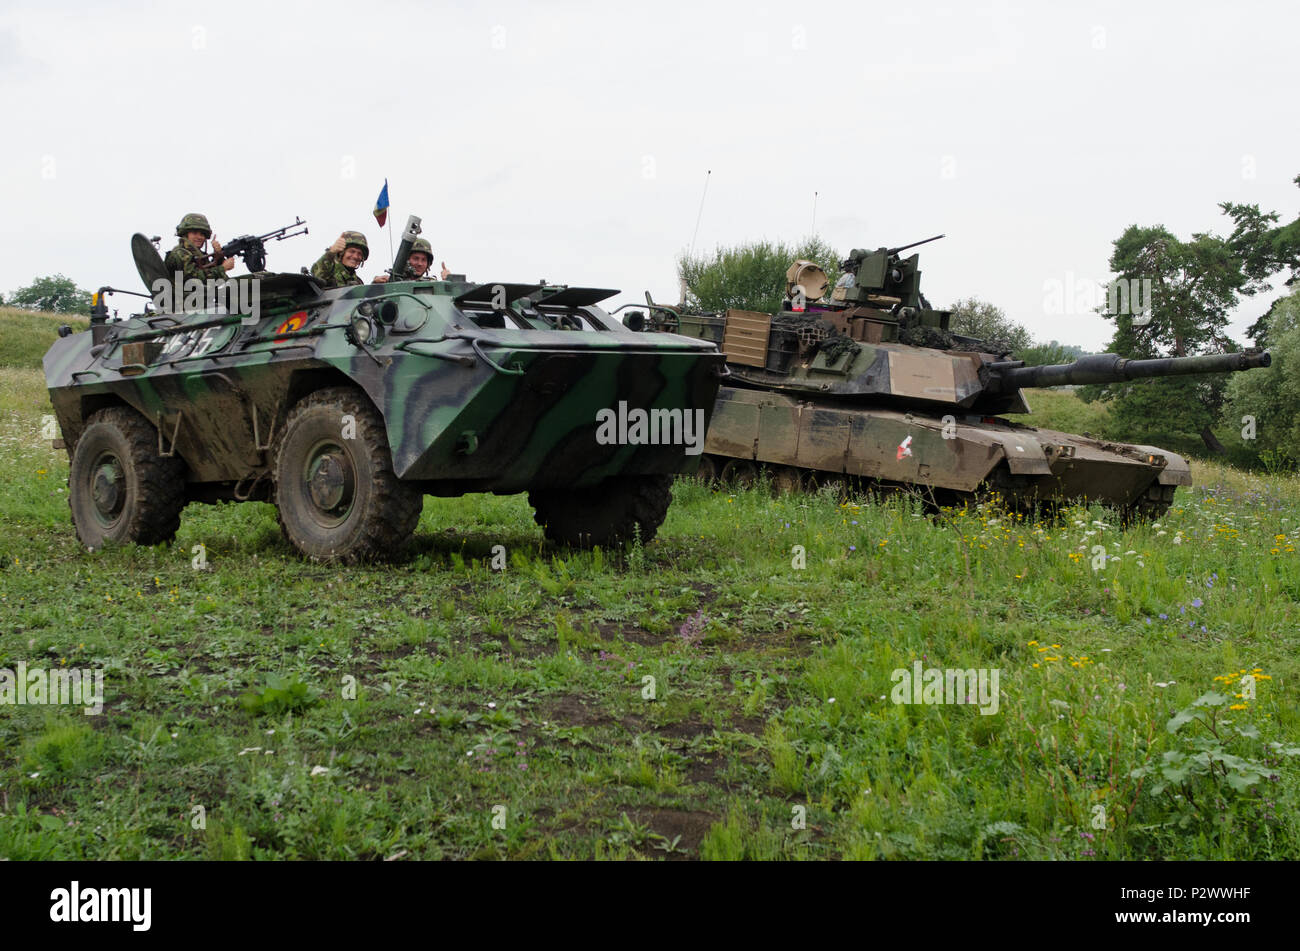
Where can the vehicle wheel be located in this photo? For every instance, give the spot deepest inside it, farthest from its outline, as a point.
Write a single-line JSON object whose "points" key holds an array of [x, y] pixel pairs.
{"points": [[609, 514], [708, 470], [739, 473], [829, 483], [786, 479], [119, 488], [338, 498]]}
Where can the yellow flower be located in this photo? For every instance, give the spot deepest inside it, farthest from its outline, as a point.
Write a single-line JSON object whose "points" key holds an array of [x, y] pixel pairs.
{"points": [[1237, 706], [1033, 644]]}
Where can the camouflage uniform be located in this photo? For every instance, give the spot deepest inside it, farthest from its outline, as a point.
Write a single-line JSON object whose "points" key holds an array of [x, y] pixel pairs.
{"points": [[185, 257], [331, 271]]}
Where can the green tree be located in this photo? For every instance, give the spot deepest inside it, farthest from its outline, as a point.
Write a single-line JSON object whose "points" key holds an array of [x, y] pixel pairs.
{"points": [[1193, 285], [53, 293], [1047, 354], [1269, 397], [973, 317], [749, 276]]}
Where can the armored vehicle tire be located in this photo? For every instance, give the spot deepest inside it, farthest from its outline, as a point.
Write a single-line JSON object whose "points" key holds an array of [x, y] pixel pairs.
{"points": [[338, 498], [119, 488], [609, 514]]}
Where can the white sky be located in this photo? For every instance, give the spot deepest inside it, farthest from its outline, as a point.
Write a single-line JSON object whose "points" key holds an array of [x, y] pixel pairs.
{"points": [[570, 141]]}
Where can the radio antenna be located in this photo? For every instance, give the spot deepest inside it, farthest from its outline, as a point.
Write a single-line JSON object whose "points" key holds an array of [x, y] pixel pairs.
{"points": [[699, 214]]}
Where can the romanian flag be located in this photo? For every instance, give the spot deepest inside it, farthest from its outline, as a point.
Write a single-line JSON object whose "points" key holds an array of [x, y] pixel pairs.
{"points": [[381, 205]]}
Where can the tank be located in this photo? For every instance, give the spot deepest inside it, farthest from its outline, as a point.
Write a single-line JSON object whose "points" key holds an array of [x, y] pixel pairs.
{"points": [[346, 406], [868, 385]]}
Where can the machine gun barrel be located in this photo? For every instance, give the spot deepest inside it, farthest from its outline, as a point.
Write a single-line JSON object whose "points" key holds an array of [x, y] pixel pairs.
{"points": [[1112, 368], [914, 244], [253, 247]]}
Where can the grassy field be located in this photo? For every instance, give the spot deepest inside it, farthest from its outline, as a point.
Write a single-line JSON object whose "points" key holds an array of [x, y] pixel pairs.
{"points": [[511, 713]]}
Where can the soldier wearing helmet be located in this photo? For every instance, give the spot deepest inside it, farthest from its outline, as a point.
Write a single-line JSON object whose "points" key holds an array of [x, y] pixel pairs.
{"points": [[417, 263], [188, 256], [337, 267]]}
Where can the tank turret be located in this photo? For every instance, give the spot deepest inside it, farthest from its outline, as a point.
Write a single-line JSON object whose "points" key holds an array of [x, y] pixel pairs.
{"points": [[870, 382]]}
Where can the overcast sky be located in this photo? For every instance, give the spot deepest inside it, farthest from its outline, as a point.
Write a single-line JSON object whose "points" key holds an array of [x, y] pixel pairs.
{"points": [[570, 141]]}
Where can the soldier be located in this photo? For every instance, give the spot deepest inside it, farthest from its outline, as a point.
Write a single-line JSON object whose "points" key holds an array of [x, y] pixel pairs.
{"points": [[337, 267], [417, 262], [193, 231]]}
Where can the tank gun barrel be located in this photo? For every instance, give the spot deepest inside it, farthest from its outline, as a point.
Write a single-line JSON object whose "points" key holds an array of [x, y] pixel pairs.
{"points": [[1112, 368]]}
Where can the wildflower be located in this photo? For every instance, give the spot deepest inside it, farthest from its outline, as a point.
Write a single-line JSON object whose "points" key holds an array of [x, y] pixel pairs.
{"points": [[1197, 602], [1237, 706]]}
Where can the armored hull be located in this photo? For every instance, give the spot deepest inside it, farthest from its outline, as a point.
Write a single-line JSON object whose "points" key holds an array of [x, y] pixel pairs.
{"points": [[346, 406]]}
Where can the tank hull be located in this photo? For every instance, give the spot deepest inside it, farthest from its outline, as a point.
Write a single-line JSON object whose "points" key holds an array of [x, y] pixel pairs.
{"points": [[949, 457]]}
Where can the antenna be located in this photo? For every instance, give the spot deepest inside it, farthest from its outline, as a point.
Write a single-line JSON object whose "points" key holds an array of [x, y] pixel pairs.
{"points": [[814, 223], [700, 214]]}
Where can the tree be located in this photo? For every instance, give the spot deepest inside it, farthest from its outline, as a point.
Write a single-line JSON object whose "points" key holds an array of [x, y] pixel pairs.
{"points": [[973, 317], [1188, 287], [54, 293], [1047, 354], [749, 276], [1266, 403]]}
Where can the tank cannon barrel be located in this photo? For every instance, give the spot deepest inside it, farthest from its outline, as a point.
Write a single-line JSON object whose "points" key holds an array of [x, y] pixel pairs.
{"points": [[1112, 368]]}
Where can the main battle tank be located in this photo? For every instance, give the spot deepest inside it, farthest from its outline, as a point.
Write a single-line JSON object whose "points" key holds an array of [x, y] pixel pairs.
{"points": [[870, 385], [346, 406]]}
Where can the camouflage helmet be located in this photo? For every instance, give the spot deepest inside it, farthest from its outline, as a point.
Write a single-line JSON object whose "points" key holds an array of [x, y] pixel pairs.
{"points": [[421, 246], [194, 222], [355, 239]]}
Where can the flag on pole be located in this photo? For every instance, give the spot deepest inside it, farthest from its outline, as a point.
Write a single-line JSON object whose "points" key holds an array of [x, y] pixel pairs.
{"points": [[381, 205]]}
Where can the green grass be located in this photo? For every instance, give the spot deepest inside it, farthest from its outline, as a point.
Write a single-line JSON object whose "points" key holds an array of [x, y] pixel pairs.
{"points": [[25, 335], [271, 708], [1063, 411]]}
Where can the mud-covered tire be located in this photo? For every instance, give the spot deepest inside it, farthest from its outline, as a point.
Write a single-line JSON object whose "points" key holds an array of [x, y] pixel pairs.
{"points": [[612, 513], [338, 498], [119, 488]]}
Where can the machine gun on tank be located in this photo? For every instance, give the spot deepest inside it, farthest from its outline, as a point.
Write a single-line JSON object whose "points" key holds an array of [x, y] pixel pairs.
{"points": [[252, 248]]}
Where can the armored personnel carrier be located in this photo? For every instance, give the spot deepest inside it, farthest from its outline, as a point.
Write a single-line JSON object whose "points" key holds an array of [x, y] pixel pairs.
{"points": [[868, 384], [346, 406]]}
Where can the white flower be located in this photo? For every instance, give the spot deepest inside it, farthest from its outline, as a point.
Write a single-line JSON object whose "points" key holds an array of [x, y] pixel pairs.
{"points": [[1161, 683], [319, 770], [492, 706], [1130, 552], [1178, 539], [1162, 532], [831, 700]]}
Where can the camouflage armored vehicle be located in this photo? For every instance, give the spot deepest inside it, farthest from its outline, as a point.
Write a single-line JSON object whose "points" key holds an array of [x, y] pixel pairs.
{"points": [[869, 385], [346, 406]]}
